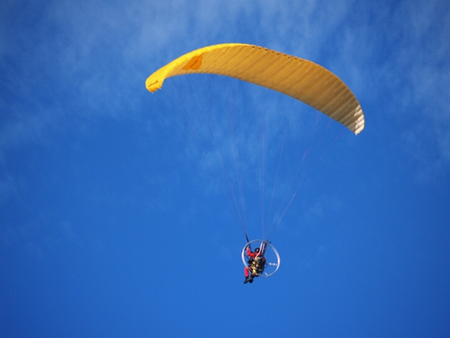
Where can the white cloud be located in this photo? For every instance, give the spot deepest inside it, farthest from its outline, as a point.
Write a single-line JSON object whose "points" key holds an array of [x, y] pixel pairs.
{"points": [[424, 69], [90, 59]]}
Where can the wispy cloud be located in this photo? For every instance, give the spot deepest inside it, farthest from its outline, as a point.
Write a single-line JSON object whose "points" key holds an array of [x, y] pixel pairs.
{"points": [[88, 59], [422, 69], [65, 62]]}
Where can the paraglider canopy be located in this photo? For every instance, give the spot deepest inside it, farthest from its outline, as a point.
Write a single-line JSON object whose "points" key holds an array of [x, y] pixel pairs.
{"points": [[302, 79]]}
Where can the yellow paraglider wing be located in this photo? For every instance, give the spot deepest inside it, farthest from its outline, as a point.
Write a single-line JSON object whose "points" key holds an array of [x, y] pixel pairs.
{"points": [[302, 79]]}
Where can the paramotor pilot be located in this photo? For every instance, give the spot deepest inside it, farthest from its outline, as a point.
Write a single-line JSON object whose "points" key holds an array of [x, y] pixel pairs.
{"points": [[256, 263]]}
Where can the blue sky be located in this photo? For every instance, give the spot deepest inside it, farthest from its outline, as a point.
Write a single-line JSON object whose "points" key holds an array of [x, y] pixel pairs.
{"points": [[111, 221]]}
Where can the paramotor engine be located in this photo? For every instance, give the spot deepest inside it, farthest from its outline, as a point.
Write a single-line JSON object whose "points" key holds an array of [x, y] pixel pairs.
{"points": [[271, 255]]}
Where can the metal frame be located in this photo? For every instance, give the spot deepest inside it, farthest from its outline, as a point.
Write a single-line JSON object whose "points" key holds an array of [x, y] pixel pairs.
{"points": [[272, 264]]}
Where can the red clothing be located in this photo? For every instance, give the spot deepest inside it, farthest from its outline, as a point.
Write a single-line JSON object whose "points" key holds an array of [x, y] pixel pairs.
{"points": [[252, 254], [246, 272]]}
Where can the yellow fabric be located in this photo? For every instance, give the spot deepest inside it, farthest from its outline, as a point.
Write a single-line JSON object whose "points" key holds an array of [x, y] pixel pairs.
{"points": [[299, 78]]}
